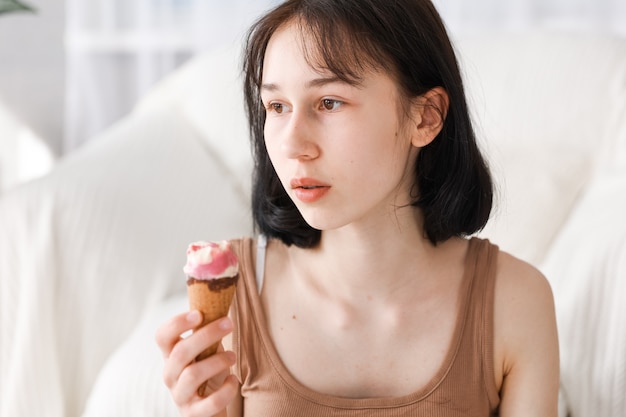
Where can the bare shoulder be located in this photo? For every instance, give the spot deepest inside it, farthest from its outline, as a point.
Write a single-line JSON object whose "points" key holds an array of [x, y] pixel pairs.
{"points": [[526, 342], [524, 303], [521, 285]]}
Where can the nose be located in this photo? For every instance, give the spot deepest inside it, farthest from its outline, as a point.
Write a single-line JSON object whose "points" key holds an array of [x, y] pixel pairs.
{"points": [[299, 137]]}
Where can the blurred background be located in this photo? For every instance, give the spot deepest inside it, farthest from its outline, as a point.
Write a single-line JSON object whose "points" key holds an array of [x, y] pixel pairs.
{"points": [[71, 68]]}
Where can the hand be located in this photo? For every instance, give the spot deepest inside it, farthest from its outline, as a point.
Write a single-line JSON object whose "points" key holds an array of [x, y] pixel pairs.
{"points": [[183, 375]]}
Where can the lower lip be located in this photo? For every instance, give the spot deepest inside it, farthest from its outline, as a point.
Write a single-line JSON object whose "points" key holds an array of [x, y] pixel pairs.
{"points": [[311, 195]]}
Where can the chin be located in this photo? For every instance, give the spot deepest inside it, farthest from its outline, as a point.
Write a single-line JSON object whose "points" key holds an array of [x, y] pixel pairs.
{"points": [[322, 221]]}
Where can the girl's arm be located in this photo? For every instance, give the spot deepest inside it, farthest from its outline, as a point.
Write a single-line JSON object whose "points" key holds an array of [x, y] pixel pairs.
{"points": [[526, 341]]}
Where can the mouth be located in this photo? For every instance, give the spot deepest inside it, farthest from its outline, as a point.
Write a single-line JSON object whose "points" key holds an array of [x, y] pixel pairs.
{"points": [[307, 184], [309, 190]]}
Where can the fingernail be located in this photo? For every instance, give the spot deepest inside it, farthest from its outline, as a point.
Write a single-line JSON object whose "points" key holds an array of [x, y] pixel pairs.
{"points": [[193, 316], [226, 323]]}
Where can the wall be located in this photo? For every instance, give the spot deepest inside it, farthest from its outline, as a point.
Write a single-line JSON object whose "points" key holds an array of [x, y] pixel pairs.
{"points": [[32, 62]]}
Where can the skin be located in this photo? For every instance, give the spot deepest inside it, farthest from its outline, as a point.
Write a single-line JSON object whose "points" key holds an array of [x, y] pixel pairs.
{"points": [[336, 299]]}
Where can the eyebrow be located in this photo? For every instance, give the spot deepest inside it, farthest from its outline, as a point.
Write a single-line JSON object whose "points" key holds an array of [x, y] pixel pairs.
{"points": [[320, 82], [316, 82]]}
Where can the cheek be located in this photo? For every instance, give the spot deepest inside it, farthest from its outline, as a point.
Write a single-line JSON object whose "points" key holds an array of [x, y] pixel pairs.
{"points": [[389, 158], [271, 142], [382, 144]]}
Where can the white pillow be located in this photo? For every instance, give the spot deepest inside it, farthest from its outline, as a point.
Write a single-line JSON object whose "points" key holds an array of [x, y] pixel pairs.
{"points": [[534, 196], [207, 91]]}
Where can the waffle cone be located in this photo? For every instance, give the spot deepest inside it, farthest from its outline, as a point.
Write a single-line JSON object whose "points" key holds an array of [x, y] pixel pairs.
{"points": [[213, 301]]}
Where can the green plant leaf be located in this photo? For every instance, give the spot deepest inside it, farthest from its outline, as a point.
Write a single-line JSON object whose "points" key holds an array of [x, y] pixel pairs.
{"points": [[7, 6]]}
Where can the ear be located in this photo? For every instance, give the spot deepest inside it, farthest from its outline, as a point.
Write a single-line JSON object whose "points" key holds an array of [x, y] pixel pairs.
{"points": [[429, 113]]}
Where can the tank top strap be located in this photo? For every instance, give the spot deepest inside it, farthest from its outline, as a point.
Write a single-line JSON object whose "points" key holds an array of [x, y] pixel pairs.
{"points": [[242, 307], [482, 298]]}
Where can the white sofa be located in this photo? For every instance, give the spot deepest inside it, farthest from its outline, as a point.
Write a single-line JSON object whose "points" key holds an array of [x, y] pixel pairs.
{"points": [[91, 255]]}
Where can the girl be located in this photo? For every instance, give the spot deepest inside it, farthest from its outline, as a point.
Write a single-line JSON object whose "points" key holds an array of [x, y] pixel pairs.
{"points": [[365, 294]]}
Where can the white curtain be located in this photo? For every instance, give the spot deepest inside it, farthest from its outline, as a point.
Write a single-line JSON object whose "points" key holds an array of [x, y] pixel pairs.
{"points": [[597, 16], [117, 49]]}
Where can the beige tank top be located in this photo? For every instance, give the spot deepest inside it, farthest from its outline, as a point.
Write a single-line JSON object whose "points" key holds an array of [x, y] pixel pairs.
{"points": [[463, 386]]}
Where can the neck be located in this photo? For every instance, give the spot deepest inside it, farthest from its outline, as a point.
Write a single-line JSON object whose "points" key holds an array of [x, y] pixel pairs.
{"points": [[358, 261]]}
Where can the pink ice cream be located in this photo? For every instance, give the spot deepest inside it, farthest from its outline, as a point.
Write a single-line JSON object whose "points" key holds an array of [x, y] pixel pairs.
{"points": [[211, 260]]}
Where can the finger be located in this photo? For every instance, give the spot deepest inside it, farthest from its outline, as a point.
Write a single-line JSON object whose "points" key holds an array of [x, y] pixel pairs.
{"points": [[185, 351], [169, 333], [212, 369], [218, 400], [209, 335]]}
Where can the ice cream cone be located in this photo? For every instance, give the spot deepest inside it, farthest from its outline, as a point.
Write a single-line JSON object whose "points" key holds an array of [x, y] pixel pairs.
{"points": [[212, 299]]}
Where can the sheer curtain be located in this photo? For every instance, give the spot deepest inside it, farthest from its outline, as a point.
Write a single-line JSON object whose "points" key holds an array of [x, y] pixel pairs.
{"points": [[117, 49], [598, 16]]}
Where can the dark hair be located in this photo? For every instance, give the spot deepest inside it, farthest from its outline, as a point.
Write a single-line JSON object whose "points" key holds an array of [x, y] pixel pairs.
{"points": [[408, 39]]}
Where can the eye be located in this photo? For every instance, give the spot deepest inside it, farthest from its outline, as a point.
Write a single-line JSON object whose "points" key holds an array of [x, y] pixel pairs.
{"points": [[330, 104], [277, 108]]}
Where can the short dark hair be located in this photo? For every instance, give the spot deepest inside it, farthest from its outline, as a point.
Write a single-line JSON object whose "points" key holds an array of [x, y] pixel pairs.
{"points": [[408, 39]]}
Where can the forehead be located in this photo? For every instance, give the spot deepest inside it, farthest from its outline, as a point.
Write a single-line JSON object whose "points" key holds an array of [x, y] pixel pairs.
{"points": [[289, 49], [310, 47]]}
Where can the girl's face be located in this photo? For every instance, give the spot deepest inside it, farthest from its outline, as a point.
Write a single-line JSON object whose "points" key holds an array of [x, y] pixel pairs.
{"points": [[341, 151]]}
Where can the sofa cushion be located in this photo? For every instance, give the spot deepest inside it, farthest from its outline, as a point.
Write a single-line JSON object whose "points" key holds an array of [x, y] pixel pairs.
{"points": [[586, 267], [549, 110], [92, 247]]}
